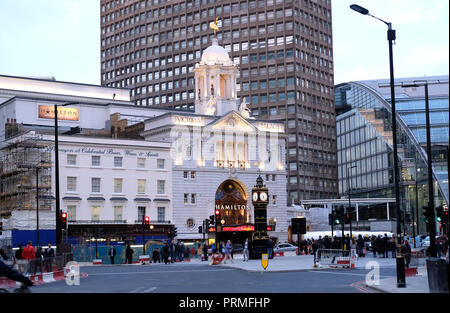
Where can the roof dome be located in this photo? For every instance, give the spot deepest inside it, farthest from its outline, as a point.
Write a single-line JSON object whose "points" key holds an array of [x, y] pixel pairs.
{"points": [[215, 54]]}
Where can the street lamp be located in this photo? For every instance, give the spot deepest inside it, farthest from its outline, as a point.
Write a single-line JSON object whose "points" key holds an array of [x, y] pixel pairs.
{"points": [[349, 198], [58, 208], [391, 37]]}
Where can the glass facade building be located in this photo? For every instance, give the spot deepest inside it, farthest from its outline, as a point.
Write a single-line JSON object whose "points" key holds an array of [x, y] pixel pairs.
{"points": [[364, 143]]}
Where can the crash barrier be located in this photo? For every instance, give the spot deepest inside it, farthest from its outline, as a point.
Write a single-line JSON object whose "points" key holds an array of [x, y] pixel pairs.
{"points": [[335, 258]]}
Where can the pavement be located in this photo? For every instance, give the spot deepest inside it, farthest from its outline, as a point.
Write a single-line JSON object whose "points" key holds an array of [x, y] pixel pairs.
{"points": [[292, 262]]}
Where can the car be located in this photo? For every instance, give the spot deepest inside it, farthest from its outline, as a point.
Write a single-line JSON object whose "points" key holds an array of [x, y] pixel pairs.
{"points": [[426, 241], [281, 247]]}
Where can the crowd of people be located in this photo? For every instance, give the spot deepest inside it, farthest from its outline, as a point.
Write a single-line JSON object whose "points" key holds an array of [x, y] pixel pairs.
{"points": [[38, 259]]}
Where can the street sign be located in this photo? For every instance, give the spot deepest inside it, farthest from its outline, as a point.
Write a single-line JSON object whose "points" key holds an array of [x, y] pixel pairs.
{"points": [[264, 260]]}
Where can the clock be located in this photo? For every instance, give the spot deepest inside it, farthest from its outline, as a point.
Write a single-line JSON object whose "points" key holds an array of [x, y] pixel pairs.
{"points": [[255, 196], [263, 196]]}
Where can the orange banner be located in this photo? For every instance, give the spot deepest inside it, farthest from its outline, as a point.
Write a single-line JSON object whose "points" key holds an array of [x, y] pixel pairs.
{"points": [[68, 114]]}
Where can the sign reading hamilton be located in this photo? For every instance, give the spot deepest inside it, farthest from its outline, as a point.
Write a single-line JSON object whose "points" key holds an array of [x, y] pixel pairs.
{"points": [[232, 207]]}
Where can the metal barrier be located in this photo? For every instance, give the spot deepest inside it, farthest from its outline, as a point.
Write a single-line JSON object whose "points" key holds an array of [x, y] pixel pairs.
{"points": [[42, 265], [334, 258]]}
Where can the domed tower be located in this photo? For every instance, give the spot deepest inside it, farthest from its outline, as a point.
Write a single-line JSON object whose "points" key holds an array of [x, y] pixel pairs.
{"points": [[215, 82]]}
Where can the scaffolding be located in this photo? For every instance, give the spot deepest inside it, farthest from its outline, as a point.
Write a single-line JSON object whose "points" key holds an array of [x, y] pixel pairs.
{"points": [[25, 170]]}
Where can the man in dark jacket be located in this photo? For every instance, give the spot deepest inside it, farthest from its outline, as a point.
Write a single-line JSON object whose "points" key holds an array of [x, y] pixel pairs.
{"points": [[19, 252], [129, 254], [360, 246], [112, 254]]}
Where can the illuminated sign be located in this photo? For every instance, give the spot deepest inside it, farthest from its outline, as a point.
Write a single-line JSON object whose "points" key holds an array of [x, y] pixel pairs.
{"points": [[239, 228], [188, 120], [64, 113], [232, 207]]}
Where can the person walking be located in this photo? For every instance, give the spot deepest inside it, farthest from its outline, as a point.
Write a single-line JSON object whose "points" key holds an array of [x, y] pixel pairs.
{"points": [[407, 252], [29, 255], [205, 251], [270, 245], [393, 247], [155, 256], [112, 253], [227, 252], [385, 245], [246, 251], [39, 256], [129, 254], [360, 245], [18, 254], [49, 254], [166, 253], [182, 251]]}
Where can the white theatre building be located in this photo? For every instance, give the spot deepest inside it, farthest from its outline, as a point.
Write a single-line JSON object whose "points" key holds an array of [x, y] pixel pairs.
{"points": [[175, 166]]}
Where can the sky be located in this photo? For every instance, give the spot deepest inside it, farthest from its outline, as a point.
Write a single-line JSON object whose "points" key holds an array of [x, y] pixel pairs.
{"points": [[61, 38]]}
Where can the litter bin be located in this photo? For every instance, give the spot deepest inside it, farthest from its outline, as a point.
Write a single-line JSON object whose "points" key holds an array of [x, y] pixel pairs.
{"points": [[437, 275]]}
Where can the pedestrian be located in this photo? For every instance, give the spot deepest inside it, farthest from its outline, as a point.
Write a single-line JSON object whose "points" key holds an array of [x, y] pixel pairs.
{"points": [[29, 255], [177, 251], [227, 252], [182, 251], [165, 253], [112, 253], [155, 255], [406, 250], [129, 254], [315, 247], [353, 246], [360, 246], [385, 245], [205, 251], [270, 245], [39, 257], [393, 246], [246, 250], [374, 246], [172, 252], [19, 251], [49, 254]]}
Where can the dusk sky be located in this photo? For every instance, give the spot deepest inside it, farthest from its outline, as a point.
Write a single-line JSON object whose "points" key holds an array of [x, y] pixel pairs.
{"points": [[61, 38]]}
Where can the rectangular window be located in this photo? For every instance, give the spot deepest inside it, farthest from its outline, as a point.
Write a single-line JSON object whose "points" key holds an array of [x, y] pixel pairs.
{"points": [[118, 161], [185, 174], [140, 162], [161, 186], [95, 184], [193, 175], [160, 163], [141, 213], [118, 182], [71, 213], [141, 185], [118, 213], [71, 159], [186, 198], [71, 183], [95, 213], [193, 196], [161, 214], [95, 160]]}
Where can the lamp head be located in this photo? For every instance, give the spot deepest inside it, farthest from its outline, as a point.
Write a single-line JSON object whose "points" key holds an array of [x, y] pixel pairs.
{"points": [[359, 9]]}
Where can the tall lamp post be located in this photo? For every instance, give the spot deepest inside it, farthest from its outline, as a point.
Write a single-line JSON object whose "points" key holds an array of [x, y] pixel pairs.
{"points": [[57, 206], [391, 37]]}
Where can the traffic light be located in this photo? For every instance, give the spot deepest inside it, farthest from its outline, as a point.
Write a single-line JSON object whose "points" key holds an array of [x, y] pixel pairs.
{"points": [[348, 218], [200, 229], [442, 215], [217, 216], [146, 220], [174, 232], [63, 220], [206, 224], [212, 220], [427, 214]]}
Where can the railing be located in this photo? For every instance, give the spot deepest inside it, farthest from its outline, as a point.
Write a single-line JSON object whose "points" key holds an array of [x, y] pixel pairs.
{"points": [[40, 265]]}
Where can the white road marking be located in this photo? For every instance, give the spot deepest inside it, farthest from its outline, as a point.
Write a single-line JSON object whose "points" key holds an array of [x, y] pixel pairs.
{"points": [[149, 290], [136, 290]]}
